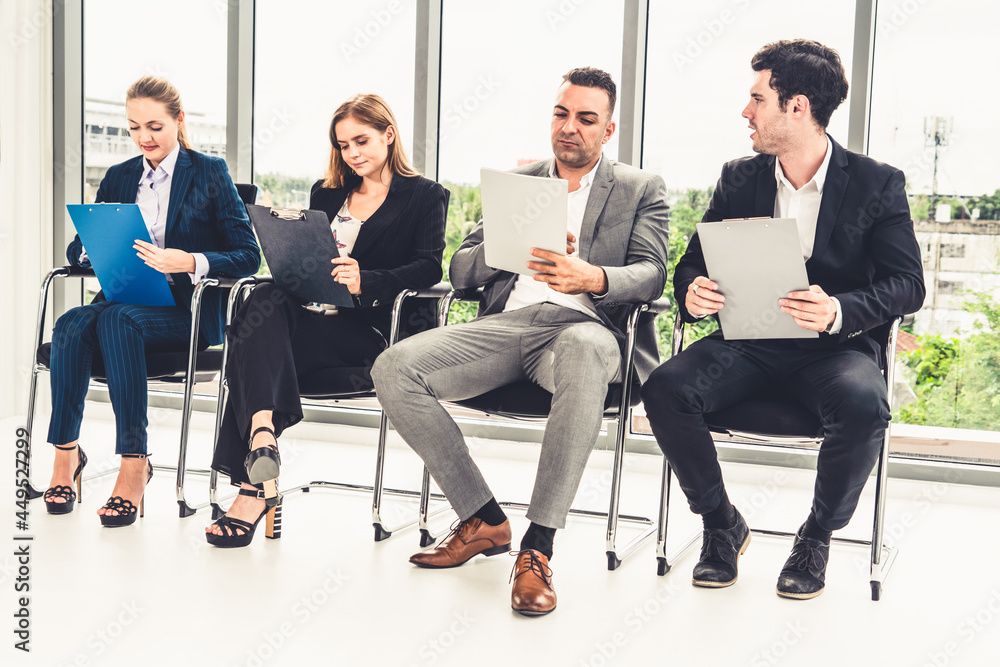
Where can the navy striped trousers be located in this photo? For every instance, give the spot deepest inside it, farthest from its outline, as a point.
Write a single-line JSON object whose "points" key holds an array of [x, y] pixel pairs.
{"points": [[122, 333]]}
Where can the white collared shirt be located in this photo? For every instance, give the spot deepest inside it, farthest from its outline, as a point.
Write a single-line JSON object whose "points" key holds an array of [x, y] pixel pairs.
{"points": [[154, 203], [528, 291], [803, 205]]}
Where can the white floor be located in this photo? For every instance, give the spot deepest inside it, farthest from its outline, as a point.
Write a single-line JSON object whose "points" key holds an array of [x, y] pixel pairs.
{"points": [[155, 592]]}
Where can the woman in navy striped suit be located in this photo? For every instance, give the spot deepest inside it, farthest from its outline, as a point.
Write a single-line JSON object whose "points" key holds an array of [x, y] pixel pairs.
{"points": [[389, 223], [198, 227]]}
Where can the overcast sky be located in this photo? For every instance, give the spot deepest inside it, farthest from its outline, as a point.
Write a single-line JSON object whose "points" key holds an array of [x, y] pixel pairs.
{"points": [[503, 61]]}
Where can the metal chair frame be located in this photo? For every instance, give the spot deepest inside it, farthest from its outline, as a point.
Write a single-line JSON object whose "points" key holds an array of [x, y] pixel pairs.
{"points": [[619, 413], [882, 555], [381, 528], [189, 377]]}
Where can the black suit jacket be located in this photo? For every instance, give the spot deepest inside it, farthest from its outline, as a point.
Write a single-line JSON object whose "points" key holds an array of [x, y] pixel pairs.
{"points": [[865, 252], [399, 247], [204, 214]]}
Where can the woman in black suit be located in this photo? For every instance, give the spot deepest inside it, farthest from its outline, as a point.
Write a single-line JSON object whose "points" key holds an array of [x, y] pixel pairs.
{"points": [[389, 223]]}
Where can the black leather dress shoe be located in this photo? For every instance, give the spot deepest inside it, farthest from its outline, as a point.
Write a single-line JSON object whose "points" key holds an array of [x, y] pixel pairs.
{"points": [[720, 549], [804, 574]]}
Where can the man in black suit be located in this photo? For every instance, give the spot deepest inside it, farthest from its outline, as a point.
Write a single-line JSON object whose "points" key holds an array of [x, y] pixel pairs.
{"points": [[864, 268]]}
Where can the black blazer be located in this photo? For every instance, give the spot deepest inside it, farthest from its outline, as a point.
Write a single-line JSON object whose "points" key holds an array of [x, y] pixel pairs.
{"points": [[865, 251], [399, 247], [205, 214]]}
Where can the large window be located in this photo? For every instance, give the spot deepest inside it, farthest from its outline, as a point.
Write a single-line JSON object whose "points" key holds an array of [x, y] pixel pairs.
{"points": [[124, 40], [309, 57], [500, 67], [930, 113], [933, 116], [698, 77]]}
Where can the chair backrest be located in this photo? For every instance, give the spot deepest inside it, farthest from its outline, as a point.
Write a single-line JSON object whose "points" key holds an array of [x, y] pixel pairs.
{"points": [[247, 193]]}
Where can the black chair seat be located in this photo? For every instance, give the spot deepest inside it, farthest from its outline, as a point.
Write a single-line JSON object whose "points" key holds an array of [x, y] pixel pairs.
{"points": [[162, 366], [766, 417], [342, 382], [527, 400]]}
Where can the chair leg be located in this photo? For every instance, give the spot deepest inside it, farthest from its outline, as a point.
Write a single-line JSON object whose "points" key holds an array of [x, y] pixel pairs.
{"points": [[26, 436], [662, 566], [880, 567], [381, 532], [615, 553], [185, 509], [665, 561], [427, 538]]}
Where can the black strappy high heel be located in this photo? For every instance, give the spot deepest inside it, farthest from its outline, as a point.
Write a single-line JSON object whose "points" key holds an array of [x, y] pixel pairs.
{"points": [[230, 538], [126, 509], [66, 492], [263, 465]]}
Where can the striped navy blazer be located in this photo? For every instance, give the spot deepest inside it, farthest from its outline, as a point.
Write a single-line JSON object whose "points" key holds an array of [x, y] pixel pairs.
{"points": [[204, 215]]}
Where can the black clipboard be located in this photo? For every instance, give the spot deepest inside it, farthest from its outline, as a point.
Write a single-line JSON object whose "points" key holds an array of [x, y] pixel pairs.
{"points": [[298, 247]]}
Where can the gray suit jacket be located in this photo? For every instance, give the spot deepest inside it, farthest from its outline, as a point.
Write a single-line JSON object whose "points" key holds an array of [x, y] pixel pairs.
{"points": [[625, 232]]}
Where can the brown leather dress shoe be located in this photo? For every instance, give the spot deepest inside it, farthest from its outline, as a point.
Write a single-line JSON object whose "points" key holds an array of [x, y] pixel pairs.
{"points": [[466, 540], [532, 594]]}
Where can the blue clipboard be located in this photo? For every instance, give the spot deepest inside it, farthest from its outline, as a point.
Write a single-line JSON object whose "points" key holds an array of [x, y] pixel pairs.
{"points": [[108, 232]]}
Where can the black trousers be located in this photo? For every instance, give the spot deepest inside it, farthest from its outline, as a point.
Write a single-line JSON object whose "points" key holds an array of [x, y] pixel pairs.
{"points": [[274, 345], [844, 387]]}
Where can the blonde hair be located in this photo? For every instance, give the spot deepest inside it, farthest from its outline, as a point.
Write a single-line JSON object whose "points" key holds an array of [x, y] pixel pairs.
{"points": [[160, 90], [371, 110]]}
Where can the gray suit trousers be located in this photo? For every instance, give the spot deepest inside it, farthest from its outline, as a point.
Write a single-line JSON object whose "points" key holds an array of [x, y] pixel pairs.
{"points": [[569, 354]]}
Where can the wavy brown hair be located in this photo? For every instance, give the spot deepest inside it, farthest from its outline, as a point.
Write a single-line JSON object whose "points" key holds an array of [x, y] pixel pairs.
{"points": [[159, 89], [371, 110]]}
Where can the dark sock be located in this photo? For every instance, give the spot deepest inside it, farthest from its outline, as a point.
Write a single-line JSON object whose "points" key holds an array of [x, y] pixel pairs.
{"points": [[723, 516], [539, 538], [491, 514], [811, 529]]}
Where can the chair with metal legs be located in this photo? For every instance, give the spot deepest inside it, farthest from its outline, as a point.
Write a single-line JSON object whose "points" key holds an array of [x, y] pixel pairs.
{"points": [[171, 366], [776, 420], [338, 385], [527, 401]]}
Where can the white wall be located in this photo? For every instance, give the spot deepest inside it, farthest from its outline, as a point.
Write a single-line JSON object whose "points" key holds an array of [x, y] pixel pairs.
{"points": [[25, 187]]}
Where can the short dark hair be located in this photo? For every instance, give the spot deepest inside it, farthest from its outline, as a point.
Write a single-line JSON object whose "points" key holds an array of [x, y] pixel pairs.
{"points": [[591, 77], [805, 67]]}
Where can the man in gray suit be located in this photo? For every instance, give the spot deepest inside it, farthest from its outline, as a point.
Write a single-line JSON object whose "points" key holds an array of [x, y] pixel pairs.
{"points": [[562, 327]]}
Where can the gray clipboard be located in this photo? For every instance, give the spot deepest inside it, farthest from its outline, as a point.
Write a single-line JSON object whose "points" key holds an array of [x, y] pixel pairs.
{"points": [[519, 213], [755, 263], [298, 247]]}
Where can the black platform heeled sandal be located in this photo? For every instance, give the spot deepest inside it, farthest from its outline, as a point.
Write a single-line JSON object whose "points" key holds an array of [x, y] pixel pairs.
{"points": [[230, 538], [66, 492], [263, 465], [126, 509]]}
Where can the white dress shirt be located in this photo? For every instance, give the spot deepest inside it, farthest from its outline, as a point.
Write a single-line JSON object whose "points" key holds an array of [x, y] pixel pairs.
{"points": [[153, 198], [528, 291], [803, 205]]}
